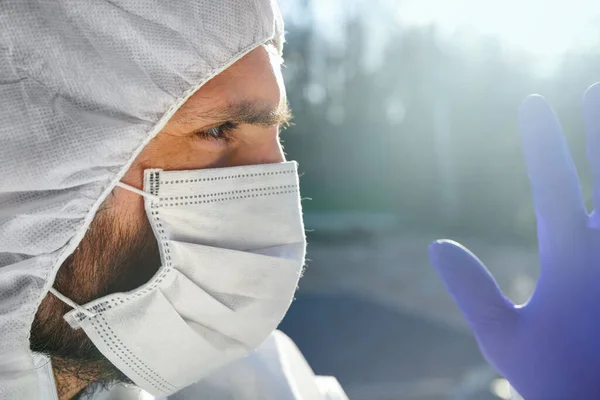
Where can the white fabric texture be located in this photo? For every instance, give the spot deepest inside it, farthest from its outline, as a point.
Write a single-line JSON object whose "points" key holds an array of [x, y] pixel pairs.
{"points": [[232, 247], [275, 371], [84, 86], [45, 377]]}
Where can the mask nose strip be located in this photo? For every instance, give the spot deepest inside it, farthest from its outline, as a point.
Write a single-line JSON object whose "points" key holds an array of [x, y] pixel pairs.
{"points": [[138, 191]]}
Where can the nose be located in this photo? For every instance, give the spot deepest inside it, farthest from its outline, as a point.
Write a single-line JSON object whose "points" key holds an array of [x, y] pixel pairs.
{"points": [[261, 148]]}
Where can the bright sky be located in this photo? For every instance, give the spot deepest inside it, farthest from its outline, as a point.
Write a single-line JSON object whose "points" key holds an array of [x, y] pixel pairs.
{"points": [[544, 27]]}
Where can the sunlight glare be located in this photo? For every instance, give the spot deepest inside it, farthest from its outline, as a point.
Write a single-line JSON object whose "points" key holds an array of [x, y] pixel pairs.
{"points": [[541, 27]]}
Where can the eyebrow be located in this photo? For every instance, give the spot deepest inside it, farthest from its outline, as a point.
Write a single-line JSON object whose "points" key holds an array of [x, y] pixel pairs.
{"points": [[243, 112]]}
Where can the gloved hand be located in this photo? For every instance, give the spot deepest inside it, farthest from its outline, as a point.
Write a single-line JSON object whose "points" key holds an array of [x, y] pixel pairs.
{"points": [[548, 348]]}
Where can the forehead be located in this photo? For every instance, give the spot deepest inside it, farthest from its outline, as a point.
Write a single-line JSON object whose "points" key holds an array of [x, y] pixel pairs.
{"points": [[255, 77]]}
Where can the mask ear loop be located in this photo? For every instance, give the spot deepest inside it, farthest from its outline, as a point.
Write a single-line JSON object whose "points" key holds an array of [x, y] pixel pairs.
{"points": [[138, 191], [71, 303]]}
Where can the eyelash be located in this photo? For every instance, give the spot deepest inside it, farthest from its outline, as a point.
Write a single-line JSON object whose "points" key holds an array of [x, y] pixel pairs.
{"points": [[220, 133]]}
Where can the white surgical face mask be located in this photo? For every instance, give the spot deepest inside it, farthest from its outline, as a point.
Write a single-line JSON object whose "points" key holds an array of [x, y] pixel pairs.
{"points": [[232, 246]]}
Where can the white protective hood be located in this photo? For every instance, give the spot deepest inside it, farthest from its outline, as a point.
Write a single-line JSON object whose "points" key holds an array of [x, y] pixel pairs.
{"points": [[84, 86]]}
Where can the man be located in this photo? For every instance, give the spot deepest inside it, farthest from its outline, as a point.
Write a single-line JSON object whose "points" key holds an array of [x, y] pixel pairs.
{"points": [[150, 230]]}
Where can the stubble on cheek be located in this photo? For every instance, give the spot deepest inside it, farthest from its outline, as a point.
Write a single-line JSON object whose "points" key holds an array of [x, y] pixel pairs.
{"points": [[114, 256]]}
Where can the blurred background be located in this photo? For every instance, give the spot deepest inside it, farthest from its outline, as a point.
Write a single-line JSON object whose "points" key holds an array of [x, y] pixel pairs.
{"points": [[406, 132]]}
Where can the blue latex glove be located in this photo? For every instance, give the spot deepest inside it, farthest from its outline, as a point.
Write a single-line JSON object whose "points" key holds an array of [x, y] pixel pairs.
{"points": [[548, 348]]}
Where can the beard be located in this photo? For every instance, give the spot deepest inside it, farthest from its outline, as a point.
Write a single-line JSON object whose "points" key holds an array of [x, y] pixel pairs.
{"points": [[111, 258]]}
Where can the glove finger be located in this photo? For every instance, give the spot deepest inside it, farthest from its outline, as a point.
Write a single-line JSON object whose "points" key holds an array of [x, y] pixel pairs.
{"points": [[591, 117], [473, 288], [557, 197]]}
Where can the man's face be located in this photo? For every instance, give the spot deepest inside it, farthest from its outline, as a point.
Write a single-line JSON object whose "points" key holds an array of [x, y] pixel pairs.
{"points": [[233, 120]]}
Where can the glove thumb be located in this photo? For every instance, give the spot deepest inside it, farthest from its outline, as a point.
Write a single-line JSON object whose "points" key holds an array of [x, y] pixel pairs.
{"points": [[473, 288]]}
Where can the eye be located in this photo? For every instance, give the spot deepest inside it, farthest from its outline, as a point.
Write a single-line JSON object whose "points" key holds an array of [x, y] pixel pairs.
{"points": [[221, 132]]}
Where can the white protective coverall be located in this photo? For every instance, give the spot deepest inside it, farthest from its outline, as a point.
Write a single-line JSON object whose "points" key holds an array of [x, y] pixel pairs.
{"points": [[274, 371], [84, 86]]}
